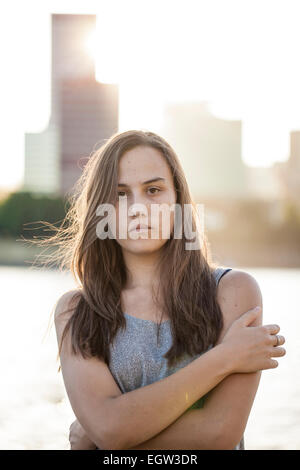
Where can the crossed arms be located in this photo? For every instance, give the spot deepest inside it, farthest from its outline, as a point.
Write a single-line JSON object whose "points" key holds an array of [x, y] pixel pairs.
{"points": [[220, 424]]}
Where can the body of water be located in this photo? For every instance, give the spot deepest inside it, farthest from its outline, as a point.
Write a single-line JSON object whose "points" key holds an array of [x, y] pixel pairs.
{"points": [[34, 409]]}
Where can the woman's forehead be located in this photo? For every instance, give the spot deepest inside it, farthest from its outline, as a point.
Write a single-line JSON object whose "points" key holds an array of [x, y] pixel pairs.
{"points": [[143, 164]]}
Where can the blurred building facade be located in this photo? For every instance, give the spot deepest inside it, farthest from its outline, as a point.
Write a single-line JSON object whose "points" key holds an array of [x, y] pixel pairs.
{"points": [[263, 182], [209, 149], [288, 172], [84, 112]]}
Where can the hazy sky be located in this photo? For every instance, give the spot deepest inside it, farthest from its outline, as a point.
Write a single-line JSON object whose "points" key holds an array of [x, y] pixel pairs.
{"points": [[240, 55]]}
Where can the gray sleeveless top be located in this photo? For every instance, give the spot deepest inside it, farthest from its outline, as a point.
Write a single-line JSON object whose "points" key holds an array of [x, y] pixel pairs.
{"points": [[137, 354]]}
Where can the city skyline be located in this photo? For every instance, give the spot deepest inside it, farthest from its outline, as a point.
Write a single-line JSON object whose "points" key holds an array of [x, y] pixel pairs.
{"points": [[260, 88]]}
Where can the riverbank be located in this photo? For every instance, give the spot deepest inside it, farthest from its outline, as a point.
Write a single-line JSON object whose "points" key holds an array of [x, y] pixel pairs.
{"points": [[20, 253], [271, 255]]}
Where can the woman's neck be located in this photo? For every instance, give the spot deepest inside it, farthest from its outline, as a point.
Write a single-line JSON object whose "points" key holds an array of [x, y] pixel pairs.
{"points": [[142, 269]]}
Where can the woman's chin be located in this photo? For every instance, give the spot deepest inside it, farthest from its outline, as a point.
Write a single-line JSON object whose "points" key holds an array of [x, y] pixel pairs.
{"points": [[143, 245]]}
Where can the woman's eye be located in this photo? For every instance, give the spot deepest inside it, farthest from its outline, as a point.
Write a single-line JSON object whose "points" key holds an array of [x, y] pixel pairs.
{"points": [[152, 190], [156, 189]]}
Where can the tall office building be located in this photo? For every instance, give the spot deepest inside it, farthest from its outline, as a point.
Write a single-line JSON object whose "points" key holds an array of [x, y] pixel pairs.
{"points": [[209, 149], [289, 171], [84, 112]]}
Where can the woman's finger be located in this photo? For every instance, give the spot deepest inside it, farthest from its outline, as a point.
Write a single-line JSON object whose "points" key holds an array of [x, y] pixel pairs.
{"points": [[277, 340], [272, 329], [278, 352]]}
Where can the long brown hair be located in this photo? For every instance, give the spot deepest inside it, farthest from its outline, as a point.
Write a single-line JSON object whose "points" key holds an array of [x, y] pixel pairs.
{"points": [[187, 282]]}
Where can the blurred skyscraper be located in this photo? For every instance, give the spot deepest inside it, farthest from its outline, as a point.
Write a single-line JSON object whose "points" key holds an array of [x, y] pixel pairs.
{"points": [[209, 149], [84, 112], [289, 171]]}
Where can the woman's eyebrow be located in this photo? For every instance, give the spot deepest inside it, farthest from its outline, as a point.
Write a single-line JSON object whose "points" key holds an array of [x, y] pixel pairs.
{"points": [[145, 182]]}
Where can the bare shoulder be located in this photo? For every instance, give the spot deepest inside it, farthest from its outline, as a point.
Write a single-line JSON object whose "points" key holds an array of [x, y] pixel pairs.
{"points": [[64, 309], [238, 292], [65, 305]]}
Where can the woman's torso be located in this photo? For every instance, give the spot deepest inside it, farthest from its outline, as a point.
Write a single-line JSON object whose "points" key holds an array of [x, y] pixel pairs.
{"points": [[137, 353]]}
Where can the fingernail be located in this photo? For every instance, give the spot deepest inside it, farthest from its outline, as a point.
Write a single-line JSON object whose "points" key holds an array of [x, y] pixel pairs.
{"points": [[257, 308]]}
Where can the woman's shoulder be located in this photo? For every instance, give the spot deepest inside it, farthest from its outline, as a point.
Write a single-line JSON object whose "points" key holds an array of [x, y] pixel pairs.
{"points": [[236, 279], [238, 292], [66, 304]]}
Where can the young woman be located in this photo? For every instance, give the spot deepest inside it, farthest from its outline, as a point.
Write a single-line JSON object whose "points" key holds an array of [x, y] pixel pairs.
{"points": [[159, 347]]}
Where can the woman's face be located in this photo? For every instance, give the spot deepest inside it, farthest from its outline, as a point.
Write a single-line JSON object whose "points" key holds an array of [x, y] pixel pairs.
{"points": [[144, 182]]}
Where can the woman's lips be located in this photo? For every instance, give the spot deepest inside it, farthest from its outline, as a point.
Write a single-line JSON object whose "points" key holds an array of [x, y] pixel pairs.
{"points": [[140, 227]]}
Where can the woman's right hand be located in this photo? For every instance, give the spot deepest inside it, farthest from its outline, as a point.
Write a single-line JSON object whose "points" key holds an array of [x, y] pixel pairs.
{"points": [[251, 348]]}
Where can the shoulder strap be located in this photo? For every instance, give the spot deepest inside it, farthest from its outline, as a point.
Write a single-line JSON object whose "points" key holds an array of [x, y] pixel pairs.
{"points": [[220, 272]]}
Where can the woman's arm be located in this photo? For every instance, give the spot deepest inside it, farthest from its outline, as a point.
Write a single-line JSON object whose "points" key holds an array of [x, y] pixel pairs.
{"points": [[114, 421], [220, 424]]}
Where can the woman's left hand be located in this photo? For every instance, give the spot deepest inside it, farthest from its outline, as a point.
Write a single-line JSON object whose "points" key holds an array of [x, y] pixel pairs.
{"points": [[78, 438]]}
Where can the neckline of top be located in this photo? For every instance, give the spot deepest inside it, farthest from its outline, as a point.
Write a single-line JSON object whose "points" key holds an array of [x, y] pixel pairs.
{"points": [[144, 320]]}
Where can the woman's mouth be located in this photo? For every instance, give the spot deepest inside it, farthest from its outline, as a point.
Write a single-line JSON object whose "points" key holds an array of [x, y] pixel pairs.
{"points": [[141, 228]]}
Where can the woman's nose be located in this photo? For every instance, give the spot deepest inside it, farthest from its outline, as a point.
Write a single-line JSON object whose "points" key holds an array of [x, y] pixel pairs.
{"points": [[138, 209]]}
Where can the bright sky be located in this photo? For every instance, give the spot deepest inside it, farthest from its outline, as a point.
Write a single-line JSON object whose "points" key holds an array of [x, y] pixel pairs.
{"points": [[240, 55]]}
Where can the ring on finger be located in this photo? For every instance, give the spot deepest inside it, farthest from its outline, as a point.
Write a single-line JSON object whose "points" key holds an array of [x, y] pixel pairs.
{"points": [[277, 340]]}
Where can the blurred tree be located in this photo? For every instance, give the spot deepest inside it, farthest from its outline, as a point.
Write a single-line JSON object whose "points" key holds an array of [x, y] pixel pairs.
{"points": [[21, 212]]}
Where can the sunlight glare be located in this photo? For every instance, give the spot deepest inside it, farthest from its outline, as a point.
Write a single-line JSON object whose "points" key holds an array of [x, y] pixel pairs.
{"points": [[91, 44]]}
